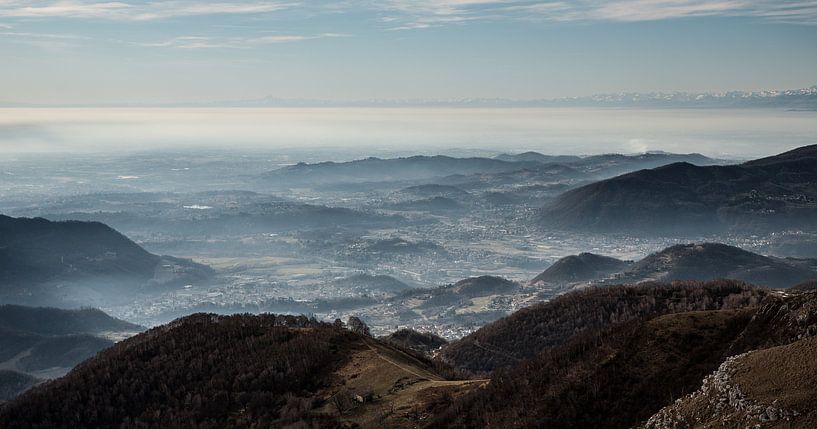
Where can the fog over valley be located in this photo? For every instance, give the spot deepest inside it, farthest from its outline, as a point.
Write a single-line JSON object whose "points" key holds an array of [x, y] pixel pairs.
{"points": [[368, 131], [374, 237], [408, 214]]}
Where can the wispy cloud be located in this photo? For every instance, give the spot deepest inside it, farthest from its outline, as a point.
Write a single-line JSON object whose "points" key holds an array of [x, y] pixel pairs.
{"points": [[211, 42], [132, 11], [408, 14], [49, 41], [418, 14]]}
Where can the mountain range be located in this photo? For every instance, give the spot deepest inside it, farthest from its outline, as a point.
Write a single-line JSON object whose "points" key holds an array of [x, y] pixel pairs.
{"points": [[394, 169], [418, 175], [803, 98]]}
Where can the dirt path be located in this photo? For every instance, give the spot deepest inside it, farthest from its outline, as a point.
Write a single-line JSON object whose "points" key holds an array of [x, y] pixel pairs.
{"points": [[429, 376]]}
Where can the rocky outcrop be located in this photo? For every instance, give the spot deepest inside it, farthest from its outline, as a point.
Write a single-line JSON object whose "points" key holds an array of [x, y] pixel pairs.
{"points": [[720, 401]]}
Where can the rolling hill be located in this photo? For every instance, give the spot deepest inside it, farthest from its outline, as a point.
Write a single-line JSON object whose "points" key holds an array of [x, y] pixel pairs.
{"points": [[423, 342], [583, 267], [461, 292], [598, 358], [751, 362], [57, 321], [707, 261], [389, 170], [695, 261], [43, 343], [538, 157], [769, 193], [271, 371], [36, 252], [531, 330]]}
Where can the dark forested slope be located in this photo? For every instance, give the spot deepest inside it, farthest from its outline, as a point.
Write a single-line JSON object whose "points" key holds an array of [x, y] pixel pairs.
{"points": [[620, 375], [773, 192], [48, 342], [37, 251], [56, 321], [531, 330], [707, 261], [203, 371], [601, 358]]}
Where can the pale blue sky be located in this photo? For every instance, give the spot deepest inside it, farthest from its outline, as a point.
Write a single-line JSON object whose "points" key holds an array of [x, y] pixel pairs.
{"points": [[80, 51]]}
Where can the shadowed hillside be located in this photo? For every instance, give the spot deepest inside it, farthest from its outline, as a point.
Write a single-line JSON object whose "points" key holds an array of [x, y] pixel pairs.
{"points": [[55, 321], [531, 330], [44, 343], [712, 260], [13, 383], [621, 375], [34, 252], [598, 358], [696, 261], [424, 342], [769, 193], [580, 268], [209, 371]]}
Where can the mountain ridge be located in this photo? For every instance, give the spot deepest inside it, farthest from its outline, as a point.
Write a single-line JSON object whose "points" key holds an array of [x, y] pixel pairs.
{"points": [[35, 252], [768, 193]]}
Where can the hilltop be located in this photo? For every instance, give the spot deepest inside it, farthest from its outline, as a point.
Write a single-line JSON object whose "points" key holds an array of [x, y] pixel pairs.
{"points": [[713, 260], [57, 321], [430, 176], [36, 252], [534, 329], [272, 371], [752, 355], [595, 358], [581, 268], [394, 169], [773, 192], [694, 261]]}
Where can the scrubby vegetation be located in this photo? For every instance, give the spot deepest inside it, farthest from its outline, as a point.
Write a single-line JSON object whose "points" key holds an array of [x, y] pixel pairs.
{"points": [[203, 371], [529, 331], [598, 358], [610, 378], [423, 342]]}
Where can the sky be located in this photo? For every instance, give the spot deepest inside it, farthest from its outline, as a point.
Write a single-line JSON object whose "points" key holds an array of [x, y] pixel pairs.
{"points": [[136, 51]]}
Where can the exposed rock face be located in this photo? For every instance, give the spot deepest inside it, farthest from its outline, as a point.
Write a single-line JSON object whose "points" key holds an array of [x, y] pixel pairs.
{"points": [[771, 386], [720, 401]]}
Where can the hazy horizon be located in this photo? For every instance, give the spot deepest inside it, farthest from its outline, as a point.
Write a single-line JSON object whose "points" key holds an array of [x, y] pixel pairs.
{"points": [[577, 131]]}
